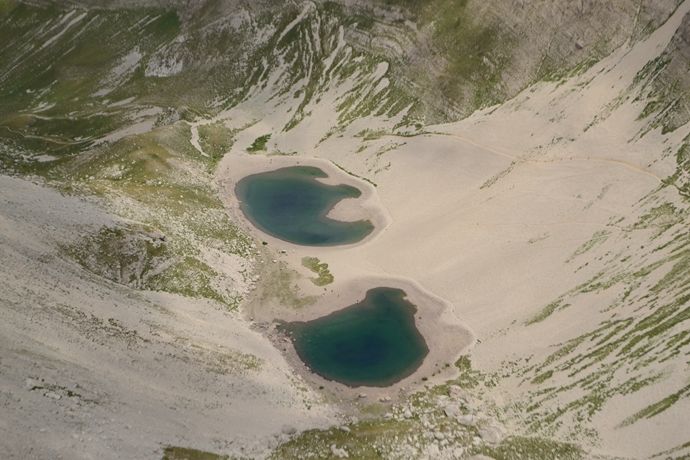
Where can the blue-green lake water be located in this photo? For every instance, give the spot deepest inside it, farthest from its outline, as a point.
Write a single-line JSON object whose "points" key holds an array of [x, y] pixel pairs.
{"points": [[372, 343], [290, 204]]}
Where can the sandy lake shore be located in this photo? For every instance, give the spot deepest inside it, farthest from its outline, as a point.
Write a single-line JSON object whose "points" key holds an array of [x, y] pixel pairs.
{"points": [[446, 339]]}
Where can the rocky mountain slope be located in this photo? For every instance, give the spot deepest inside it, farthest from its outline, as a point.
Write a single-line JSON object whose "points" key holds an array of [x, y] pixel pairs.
{"points": [[533, 157]]}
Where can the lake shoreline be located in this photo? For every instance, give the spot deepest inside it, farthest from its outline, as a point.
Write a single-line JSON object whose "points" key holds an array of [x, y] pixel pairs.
{"points": [[365, 207], [446, 341], [291, 204], [372, 343], [446, 337]]}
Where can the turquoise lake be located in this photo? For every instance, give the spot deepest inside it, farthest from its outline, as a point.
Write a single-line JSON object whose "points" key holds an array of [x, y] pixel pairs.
{"points": [[290, 204], [372, 343]]}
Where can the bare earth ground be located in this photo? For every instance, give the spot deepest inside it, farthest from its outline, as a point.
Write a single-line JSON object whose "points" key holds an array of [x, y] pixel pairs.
{"points": [[94, 369]]}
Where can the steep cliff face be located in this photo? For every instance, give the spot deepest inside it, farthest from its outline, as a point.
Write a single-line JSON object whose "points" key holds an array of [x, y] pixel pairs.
{"points": [[467, 54]]}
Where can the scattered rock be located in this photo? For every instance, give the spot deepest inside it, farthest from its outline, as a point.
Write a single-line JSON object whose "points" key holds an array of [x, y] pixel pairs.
{"points": [[52, 395], [339, 452], [452, 411], [491, 434], [432, 451], [459, 394], [466, 420], [362, 395], [289, 430], [156, 235]]}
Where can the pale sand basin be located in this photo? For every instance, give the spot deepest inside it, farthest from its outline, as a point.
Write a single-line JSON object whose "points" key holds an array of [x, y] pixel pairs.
{"points": [[446, 339]]}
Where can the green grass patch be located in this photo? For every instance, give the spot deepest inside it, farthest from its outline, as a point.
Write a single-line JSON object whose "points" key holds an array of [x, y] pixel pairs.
{"points": [[597, 238], [367, 439], [259, 144], [191, 277], [6, 6], [371, 134], [476, 52], [658, 407], [519, 447], [216, 139], [543, 377], [279, 283], [546, 312], [324, 276], [185, 453], [123, 255], [159, 179]]}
